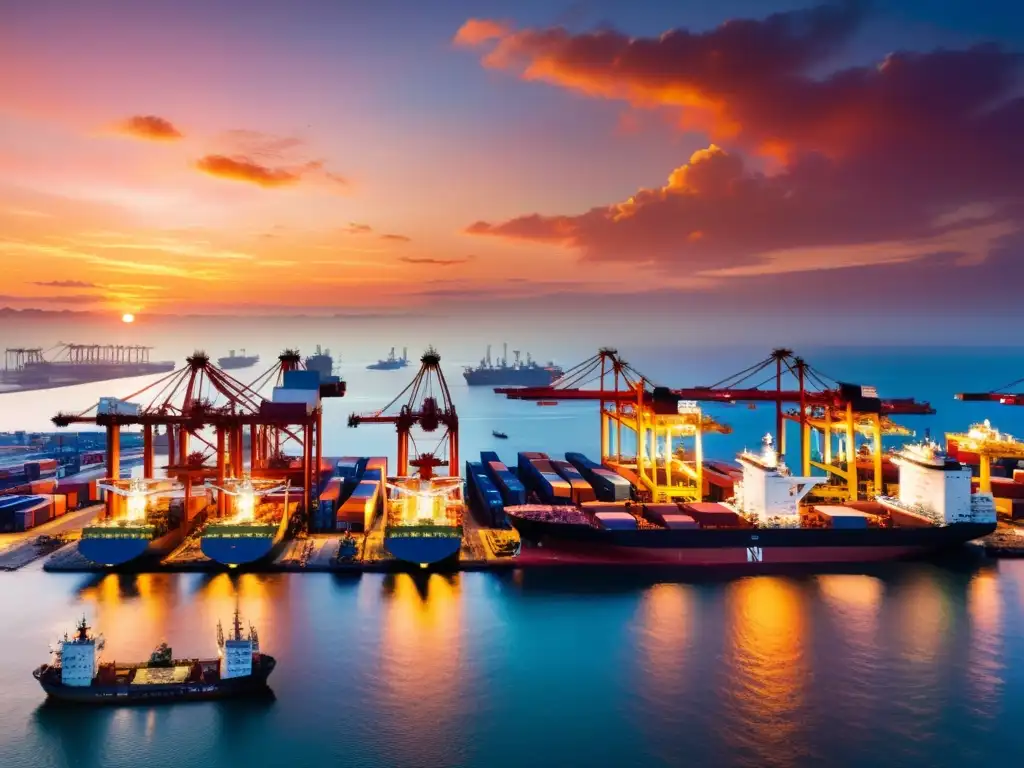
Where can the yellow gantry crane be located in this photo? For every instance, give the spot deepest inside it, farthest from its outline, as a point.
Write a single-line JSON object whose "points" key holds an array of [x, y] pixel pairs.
{"points": [[989, 443]]}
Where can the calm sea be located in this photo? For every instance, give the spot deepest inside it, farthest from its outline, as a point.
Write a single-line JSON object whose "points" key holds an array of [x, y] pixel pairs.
{"points": [[907, 665]]}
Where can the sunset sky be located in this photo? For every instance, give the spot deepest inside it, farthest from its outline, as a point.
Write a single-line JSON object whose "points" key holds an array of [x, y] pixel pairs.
{"points": [[328, 156]]}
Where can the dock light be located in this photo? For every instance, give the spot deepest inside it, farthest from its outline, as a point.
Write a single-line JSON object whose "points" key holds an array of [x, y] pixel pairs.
{"points": [[245, 504], [136, 504], [245, 493]]}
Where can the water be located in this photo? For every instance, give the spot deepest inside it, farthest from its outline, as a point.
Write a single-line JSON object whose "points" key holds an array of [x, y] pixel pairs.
{"points": [[907, 665], [911, 665]]}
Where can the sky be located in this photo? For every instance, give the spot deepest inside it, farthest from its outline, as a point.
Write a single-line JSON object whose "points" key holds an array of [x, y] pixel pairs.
{"points": [[727, 163]]}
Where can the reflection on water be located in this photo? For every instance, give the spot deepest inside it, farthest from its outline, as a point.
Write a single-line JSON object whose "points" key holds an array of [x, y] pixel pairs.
{"points": [[766, 641], [913, 665]]}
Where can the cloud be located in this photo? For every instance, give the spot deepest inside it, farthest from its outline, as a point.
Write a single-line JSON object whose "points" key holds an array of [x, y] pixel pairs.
{"points": [[150, 127], [477, 31], [264, 145], [124, 266], [357, 229], [240, 168], [436, 262], [65, 298], [396, 238], [912, 156], [64, 284]]}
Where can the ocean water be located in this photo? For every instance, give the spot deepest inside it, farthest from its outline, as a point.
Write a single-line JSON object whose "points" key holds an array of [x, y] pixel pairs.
{"points": [[910, 664]]}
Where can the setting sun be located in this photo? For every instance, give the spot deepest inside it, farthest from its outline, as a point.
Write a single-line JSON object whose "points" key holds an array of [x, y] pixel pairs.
{"points": [[127, 317]]}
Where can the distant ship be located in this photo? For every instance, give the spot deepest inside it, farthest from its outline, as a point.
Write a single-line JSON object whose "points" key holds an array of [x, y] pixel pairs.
{"points": [[233, 361], [28, 368], [76, 674], [321, 361], [525, 374], [391, 363], [149, 531]]}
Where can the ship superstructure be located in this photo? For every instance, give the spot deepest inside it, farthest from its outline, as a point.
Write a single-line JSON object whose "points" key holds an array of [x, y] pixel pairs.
{"points": [[937, 487], [768, 494], [391, 363], [525, 373], [76, 672], [322, 362]]}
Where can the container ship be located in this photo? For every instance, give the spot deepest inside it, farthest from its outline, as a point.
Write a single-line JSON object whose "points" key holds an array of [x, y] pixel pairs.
{"points": [[518, 374], [28, 369], [391, 363], [322, 362], [233, 361], [77, 674], [258, 526], [764, 524], [149, 529]]}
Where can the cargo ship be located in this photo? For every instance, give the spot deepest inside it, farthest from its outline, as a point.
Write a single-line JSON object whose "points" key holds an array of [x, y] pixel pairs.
{"points": [[424, 519], [28, 369], [254, 532], [76, 673], [149, 530], [391, 363], [233, 361], [322, 362], [518, 374], [765, 524]]}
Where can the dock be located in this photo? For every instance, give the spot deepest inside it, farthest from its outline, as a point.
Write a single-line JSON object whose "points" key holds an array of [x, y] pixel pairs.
{"points": [[19, 549], [1006, 542]]}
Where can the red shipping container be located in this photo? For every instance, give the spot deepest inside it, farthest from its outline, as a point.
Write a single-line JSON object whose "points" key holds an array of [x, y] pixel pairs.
{"points": [[1018, 475], [709, 514], [1004, 488]]}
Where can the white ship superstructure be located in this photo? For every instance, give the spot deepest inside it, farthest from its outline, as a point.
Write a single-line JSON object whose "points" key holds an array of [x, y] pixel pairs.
{"points": [[936, 486], [768, 493]]}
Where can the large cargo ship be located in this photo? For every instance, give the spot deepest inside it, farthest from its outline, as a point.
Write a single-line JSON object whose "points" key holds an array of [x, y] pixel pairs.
{"points": [[76, 673], [765, 524], [149, 530], [254, 532], [28, 369], [322, 362], [424, 519], [519, 373], [391, 363], [233, 361]]}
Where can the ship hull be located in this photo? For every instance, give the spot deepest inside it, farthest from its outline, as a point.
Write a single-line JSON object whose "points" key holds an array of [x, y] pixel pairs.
{"points": [[114, 552], [126, 694], [423, 550], [511, 377], [237, 550], [751, 549], [234, 363]]}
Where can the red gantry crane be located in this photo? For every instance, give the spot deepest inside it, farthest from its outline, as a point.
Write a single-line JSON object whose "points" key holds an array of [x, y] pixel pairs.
{"points": [[434, 412]]}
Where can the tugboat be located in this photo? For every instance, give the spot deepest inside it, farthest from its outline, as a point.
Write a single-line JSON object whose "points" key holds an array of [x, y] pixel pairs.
{"points": [[76, 674]]}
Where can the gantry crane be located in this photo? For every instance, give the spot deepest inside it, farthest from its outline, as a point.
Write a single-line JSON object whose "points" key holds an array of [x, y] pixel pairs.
{"points": [[653, 415], [435, 411], [812, 391], [988, 443], [189, 400]]}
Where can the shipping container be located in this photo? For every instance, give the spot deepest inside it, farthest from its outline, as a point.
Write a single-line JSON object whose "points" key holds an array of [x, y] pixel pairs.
{"points": [[357, 512], [1006, 488], [547, 484], [512, 491], [678, 522], [842, 517], [615, 521], [301, 380], [309, 398], [486, 457], [711, 515], [378, 462], [581, 491], [903, 519], [483, 495], [348, 467]]}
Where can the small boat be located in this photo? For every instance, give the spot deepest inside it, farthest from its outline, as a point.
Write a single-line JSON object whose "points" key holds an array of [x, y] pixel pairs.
{"points": [[499, 435], [547, 402]]}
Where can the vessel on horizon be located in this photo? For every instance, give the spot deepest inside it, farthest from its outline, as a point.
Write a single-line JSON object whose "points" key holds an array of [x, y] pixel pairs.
{"points": [[76, 673], [322, 362], [391, 363], [233, 361], [498, 374]]}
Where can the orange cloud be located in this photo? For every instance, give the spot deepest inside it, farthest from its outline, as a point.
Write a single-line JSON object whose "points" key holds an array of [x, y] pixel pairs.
{"points": [[248, 170], [150, 127], [396, 238], [436, 262], [477, 31], [357, 229], [64, 284]]}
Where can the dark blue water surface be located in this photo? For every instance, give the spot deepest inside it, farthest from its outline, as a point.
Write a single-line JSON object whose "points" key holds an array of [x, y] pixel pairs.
{"points": [[911, 665]]}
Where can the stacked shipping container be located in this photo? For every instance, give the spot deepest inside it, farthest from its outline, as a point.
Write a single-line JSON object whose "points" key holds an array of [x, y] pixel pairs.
{"points": [[607, 485], [482, 493], [539, 476]]}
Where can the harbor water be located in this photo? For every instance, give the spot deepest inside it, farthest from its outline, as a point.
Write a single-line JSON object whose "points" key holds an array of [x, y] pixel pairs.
{"points": [[908, 665], [902, 665]]}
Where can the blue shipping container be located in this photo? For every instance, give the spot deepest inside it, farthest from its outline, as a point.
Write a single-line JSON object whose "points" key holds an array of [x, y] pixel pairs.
{"points": [[301, 380]]}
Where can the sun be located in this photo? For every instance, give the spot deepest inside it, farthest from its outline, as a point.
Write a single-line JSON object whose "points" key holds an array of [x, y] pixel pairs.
{"points": [[127, 317]]}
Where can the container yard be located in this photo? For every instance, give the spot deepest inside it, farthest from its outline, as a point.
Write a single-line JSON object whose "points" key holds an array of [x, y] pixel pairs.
{"points": [[268, 499]]}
